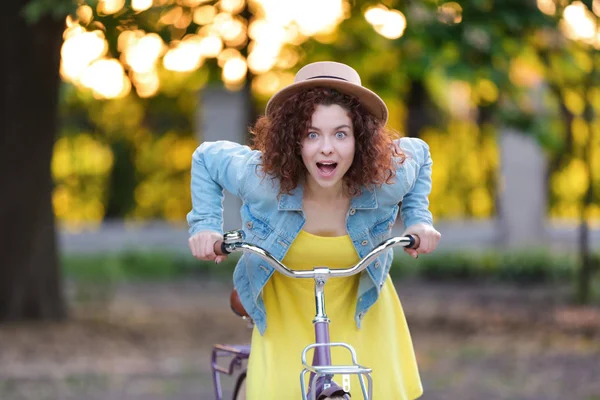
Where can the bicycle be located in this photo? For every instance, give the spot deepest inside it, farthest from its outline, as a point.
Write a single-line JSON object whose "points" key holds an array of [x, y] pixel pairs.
{"points": [[321, 383]]}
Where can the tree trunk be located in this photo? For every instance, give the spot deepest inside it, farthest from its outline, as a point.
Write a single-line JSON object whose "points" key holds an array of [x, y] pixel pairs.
{"points": [[30, 284], [122, 181], [417, 104], [585, 272]]}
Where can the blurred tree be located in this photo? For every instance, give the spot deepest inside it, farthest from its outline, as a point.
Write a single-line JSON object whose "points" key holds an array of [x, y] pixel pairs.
{"points": [[30, 286], [572, 113]]}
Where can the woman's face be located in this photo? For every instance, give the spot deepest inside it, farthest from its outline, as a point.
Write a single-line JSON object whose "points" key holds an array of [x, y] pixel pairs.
{"points": [[328, 146]]}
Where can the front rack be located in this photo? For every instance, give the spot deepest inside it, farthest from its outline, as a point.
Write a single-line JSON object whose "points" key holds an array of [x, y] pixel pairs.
{"points": [[329, 370]]}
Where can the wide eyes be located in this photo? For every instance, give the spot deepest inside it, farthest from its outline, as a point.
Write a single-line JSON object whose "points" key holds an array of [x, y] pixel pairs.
{"points": [[338, 135]]}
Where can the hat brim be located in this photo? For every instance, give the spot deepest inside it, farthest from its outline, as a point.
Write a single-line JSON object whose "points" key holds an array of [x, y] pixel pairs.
{"points": [[371, 101]]}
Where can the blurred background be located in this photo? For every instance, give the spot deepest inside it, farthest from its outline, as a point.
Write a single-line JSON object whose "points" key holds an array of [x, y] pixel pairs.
{"points": [[104, 102]]}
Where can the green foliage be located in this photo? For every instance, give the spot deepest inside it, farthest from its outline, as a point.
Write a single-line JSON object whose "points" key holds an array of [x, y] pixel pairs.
{"points": [[142, 149], [35, 10], [530, 267], [141, 265], [490, 33]]}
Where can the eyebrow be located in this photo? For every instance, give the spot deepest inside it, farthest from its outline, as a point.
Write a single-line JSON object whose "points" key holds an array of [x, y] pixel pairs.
{"points": [[339, 127]]}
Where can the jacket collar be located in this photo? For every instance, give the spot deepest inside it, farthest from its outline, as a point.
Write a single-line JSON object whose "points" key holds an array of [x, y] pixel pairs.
{"points": [[293, 202]]}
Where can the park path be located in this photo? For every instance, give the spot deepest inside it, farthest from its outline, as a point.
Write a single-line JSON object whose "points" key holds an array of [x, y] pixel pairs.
{"points": [[152, 342]]}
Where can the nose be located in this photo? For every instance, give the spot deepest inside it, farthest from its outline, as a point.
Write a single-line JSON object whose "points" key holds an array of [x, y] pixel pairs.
{"points": [[326, 146]]}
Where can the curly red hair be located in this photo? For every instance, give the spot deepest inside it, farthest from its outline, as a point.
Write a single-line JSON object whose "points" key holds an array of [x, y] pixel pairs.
{"points": [[279, 136]]}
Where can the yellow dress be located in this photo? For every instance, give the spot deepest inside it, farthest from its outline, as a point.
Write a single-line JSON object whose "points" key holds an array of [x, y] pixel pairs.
{"points": [[382, 343]]}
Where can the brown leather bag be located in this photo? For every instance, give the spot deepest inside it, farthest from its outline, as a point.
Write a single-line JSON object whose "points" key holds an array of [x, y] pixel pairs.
{"points": [[236, 304]]}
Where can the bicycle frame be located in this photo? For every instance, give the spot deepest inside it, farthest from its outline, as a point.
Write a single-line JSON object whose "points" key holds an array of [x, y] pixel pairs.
{"points": [[321, 371], [236, 355]]}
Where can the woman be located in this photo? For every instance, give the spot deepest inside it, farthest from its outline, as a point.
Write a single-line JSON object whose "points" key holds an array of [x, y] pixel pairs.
{"points": [[321, 187]]}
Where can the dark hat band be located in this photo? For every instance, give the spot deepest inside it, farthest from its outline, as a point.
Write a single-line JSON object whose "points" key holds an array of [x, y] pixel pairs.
{"points": [[327, 76]]}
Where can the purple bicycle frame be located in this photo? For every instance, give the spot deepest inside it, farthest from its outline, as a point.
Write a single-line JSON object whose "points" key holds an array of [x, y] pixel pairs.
{"points": [[322, 354]]}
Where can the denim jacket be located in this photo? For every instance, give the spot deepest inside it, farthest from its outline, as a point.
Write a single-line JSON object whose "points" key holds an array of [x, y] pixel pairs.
{"points": [[273, 223]]}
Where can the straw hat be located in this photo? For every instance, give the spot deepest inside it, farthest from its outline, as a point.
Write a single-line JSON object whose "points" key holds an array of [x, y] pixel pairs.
{"points": [[332, 75]]}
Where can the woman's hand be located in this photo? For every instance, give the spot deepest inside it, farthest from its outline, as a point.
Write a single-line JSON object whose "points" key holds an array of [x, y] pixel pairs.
{"points": [[427, 239], [202, 246]]}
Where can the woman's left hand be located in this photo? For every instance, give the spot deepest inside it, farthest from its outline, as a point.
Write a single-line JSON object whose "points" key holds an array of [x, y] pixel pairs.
{"points": [[428, 239]]}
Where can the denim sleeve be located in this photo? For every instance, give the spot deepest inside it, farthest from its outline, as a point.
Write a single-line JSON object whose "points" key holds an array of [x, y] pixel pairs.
{"points": [[216, 166], [415, 205]]}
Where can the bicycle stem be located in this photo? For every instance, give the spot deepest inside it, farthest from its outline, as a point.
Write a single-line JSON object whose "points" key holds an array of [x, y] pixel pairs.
{"points": [[322, 355]]}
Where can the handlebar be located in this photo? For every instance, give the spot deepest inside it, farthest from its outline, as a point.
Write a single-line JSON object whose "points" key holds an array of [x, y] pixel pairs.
{"points": [[233, 242]]}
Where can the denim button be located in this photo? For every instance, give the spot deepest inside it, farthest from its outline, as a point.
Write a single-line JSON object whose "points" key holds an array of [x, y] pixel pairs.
{"points": [[249, 225], [377, 264], [365, 242], [352, 211]]}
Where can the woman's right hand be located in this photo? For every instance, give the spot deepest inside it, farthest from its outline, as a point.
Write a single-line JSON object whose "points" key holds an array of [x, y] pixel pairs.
{"points": [[202, 246]]}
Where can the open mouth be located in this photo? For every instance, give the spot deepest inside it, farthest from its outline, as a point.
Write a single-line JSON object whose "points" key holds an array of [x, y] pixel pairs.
{"points": [[327, 168]]}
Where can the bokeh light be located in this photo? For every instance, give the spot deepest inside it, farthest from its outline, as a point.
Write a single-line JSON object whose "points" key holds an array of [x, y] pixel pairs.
{"points": [[204, 15], [85, 14], [142, 54], [232, 6], [184, 56], [388, 23], [579, 23], [450, 13], [79, 50], [547, 6], [141, 5], [267, 84], [234, 71], [146, 84], [106, 78], [110, 6]]}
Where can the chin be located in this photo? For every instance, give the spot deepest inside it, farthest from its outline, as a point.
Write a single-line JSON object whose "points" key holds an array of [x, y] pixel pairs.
{"points": [[326, 184]]}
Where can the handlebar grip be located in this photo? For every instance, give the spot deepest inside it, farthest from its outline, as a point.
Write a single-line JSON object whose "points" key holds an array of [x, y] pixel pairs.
{"points": [[220, 248], [413, 242]]}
